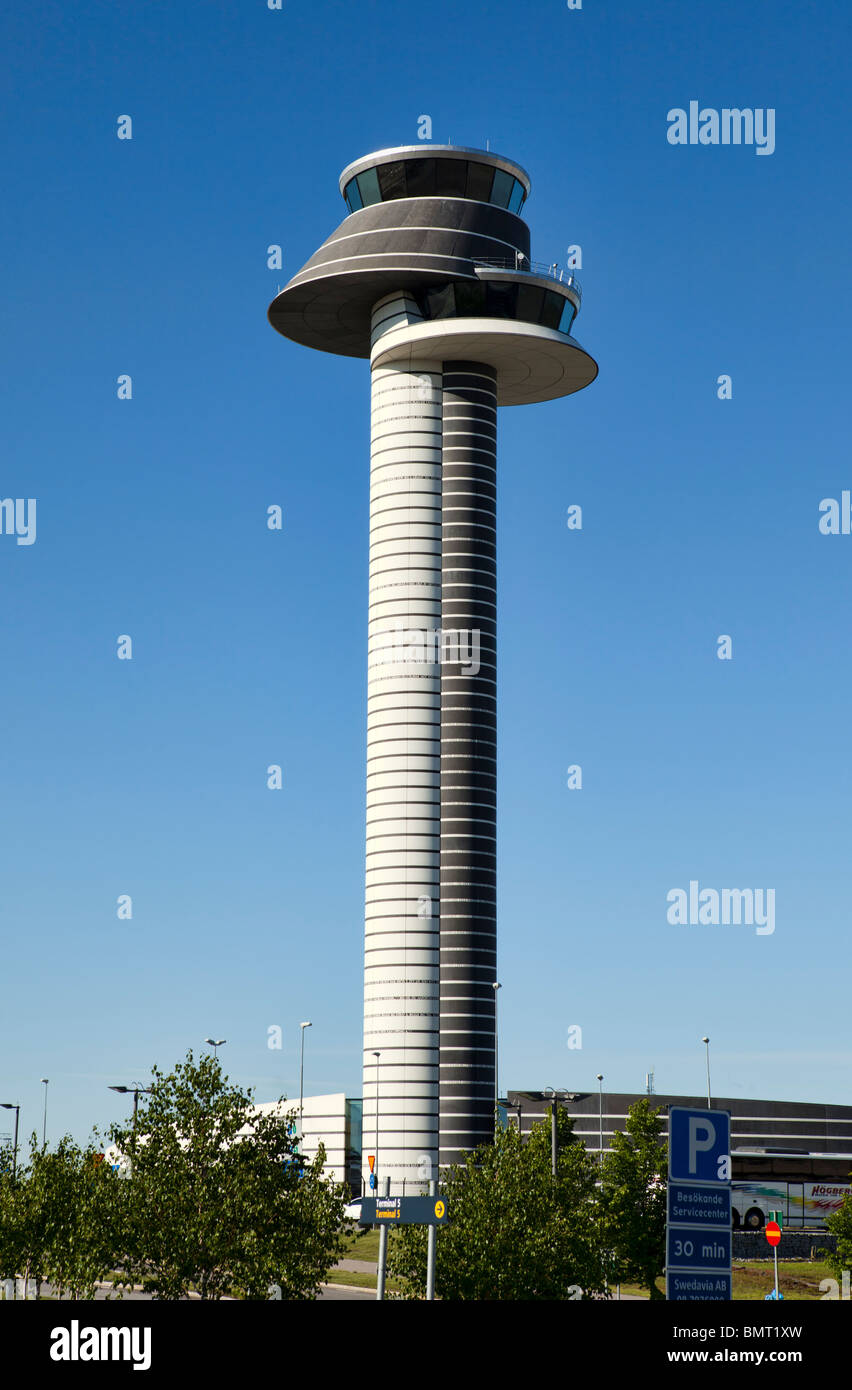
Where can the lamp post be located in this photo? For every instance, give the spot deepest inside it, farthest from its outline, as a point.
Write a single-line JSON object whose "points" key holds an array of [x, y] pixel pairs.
{"points": [[44, 1082], [495, 987], [375, 1168], [600, 1116], [216, 1043], [302, 1026], [554, 1141], [6, 1105], [706, 1042], [136, 1092]]}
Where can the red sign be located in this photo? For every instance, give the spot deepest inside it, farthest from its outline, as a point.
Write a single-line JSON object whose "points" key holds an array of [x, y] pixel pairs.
{"points": [[773, 1232], [371, 1159]]}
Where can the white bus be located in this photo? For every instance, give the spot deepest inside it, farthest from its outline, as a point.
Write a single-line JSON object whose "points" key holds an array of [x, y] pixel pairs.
{"points": [[805, 1187]]}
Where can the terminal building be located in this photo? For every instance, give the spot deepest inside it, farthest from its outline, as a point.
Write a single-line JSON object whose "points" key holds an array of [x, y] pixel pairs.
{"points": [[790, 1127], [764, 1133]]}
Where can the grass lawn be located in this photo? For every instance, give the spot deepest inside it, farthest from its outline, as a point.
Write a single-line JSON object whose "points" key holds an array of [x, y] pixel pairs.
{"points": [[797, 1279], [364, 1245], [754, 1279]]}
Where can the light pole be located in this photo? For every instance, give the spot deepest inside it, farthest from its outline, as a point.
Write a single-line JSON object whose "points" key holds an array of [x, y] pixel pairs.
{"points": [[554, 1141], [136, 1091], [216, 1043], [6, 1105], [302, 1026], [495, 987], [706, 1042], [375, 1168], [600, 1115], [44, 1082]]}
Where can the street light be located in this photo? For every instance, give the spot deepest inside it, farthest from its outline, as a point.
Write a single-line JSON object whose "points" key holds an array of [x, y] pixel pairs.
{"points": [[600, 1115], [706, 1042], [375, 1166], [136, 1092], [44, 1082], [6, 1105], [303, 1026], [554, 1140], [495, 987], [216, 1043]]}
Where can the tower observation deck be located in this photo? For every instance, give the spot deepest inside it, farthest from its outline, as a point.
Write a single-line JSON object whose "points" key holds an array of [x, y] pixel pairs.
{"points": [[430, 277]]}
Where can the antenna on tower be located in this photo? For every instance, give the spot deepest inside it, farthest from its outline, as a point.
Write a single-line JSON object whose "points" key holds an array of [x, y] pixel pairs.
{"points": [[649, 1082], [488, 144]]}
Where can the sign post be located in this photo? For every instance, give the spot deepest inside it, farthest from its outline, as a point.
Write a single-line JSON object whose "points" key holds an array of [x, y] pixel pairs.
{"points": [[388, 1211], [698, 1224], [431, 1240], [773, 1235], [383, 1247]]}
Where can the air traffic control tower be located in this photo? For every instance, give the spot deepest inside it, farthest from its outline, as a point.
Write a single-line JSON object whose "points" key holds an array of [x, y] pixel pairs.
{"points": [[429, 277]]}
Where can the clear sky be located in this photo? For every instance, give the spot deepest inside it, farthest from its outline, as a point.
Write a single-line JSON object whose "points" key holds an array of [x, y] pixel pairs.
{"points": [[700, 518]]}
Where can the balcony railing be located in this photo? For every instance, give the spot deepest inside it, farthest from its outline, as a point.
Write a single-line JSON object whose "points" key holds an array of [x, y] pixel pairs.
{"points": [[523, 263]]}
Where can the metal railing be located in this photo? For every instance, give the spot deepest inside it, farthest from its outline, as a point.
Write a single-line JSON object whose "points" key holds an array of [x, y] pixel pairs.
{"points": [[523, 263]]}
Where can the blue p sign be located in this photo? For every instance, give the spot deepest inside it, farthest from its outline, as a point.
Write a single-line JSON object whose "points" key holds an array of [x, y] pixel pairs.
{"points": [[699, 1145]]}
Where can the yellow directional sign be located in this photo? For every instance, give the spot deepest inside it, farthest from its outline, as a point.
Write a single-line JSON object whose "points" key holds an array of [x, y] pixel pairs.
{"points": [[439, 1209]]}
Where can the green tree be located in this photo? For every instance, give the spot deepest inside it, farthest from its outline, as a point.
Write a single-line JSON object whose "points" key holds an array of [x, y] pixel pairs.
{"points": [[633, 1199], [217, 1196], [21, 1240], [512, 1233], [840, 1225], [56, 1218]]}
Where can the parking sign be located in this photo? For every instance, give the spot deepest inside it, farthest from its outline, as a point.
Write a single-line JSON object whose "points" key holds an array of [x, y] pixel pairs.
{"points": [[699, 1145]]}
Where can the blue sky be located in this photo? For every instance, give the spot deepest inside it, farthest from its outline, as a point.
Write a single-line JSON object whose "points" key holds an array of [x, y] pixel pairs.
{"points": [[147, 777]]}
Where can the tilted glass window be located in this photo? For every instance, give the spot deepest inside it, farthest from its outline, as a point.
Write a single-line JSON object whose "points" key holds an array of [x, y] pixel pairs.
{"points": [[392, 180], [352, 196], [439, 302], [552, 311], [368, 187], [506, 299], [429, 178], [470, 298], [530, 303], [517, 198], [567, 318], [501, 299], [479, 180], [420, 178], [501, 190], [450, 178]]}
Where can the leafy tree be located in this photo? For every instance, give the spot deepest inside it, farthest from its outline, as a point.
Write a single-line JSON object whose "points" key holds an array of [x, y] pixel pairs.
{"points": [[55, 1220], [80, 1193], [840, 1225], [21, 1246], [511, 1233], [217, 1196], [633, 1198]]}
